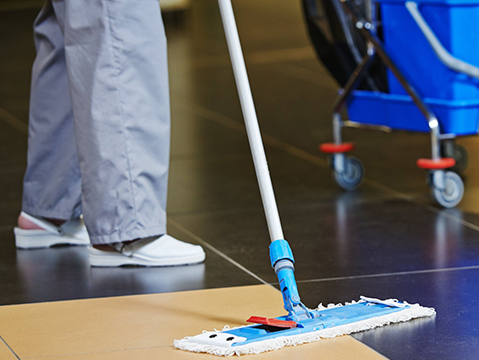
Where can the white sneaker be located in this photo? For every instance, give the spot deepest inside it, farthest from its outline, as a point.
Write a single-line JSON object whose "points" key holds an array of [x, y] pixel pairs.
{"points": [[72, 232], [153, 251]]}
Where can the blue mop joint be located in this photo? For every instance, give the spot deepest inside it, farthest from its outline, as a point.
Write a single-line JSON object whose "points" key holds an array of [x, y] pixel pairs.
{"points": [[282, 261], [301, 325]]}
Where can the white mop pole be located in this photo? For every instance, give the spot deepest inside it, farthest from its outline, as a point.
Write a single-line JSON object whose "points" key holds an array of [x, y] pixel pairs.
{"points": [[251, 121]]}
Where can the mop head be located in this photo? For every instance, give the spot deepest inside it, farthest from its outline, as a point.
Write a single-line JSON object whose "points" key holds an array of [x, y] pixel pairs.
{"points": [[329, 322]]}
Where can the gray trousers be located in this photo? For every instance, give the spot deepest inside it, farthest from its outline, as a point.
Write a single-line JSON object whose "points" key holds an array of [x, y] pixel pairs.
{"points": [[99, 130]]}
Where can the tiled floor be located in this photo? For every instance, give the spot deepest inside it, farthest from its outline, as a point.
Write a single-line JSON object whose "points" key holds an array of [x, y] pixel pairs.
{"points": [[385, 240]]}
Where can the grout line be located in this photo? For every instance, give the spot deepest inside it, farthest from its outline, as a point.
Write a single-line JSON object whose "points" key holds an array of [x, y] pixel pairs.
{"points": [[216, 251], [399, 273], [369, 347], [13, 122], [8, 346], [314, 159]]}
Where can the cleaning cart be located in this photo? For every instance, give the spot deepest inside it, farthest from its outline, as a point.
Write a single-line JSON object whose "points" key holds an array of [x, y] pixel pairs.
{"points": [[409, 65]]}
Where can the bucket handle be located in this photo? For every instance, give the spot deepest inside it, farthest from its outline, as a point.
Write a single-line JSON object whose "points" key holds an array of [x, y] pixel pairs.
{"points": [[441, 52]]}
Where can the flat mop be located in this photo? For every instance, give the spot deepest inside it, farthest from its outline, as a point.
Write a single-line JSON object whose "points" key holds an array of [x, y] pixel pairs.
{"points": [[301, 325]]}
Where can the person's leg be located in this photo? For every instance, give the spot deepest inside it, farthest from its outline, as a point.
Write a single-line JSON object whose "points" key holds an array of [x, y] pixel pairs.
{"points": [[117, 66], [116, 61], [51, 192], [52, 179]]}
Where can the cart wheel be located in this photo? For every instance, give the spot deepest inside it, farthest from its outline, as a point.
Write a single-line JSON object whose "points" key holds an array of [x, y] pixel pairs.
{"points": [[352, 176], [452, 193], [459, 153]]}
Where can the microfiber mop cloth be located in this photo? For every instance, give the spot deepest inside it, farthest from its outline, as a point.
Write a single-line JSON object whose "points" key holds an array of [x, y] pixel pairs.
{"points": [[328, 322]]}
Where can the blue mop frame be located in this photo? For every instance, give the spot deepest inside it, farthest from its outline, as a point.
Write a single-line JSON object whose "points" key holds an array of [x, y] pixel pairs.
{"points": [[307, 320]]}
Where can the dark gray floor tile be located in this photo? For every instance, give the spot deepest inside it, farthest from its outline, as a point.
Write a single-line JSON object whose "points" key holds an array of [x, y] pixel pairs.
{"points": [[342, 238], [452, 334], [16, 58], [13, 149]]}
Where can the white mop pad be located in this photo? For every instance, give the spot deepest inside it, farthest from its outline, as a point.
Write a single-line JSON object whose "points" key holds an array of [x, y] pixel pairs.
{"points": [[200, 343]]}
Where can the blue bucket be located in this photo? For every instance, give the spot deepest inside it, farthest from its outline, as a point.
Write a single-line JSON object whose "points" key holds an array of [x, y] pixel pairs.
{"points": [[456, 25]]}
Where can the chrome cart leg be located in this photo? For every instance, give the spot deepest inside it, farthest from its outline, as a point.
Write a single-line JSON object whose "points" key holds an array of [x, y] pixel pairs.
{"points": [[337, 127], [434, 127], [337, 159], [348, 171]]}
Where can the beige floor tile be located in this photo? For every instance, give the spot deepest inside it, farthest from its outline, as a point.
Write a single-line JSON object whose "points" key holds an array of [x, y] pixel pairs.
{"points": [[341, 348], [5, 353], [124, 327]]}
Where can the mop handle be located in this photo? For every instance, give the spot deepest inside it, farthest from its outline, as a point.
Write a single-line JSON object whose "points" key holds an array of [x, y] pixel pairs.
{"points": [[251, 121]]}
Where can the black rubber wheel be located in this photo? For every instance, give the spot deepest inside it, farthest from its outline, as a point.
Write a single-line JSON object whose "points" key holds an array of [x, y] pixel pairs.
{"points": [[459, 153], [352, 176], [452, 193]]}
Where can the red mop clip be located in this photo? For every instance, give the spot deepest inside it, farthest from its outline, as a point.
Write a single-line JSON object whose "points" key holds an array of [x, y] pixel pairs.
{"points": [[272, 322]]}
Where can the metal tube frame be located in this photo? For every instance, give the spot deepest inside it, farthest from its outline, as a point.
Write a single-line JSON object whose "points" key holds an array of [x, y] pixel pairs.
{"points": [[351, 84], [375, 46]]}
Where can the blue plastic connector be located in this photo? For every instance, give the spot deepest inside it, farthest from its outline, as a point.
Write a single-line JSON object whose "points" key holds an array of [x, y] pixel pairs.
{"points": [[280, 250], [282, 261]]}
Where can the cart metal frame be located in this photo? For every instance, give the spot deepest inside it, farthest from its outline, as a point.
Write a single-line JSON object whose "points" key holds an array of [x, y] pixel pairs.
{"points": [[447, 186]]}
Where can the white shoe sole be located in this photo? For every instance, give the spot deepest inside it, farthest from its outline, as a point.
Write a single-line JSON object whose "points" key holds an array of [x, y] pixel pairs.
{"points": [[99, 258], [40, 239]]}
